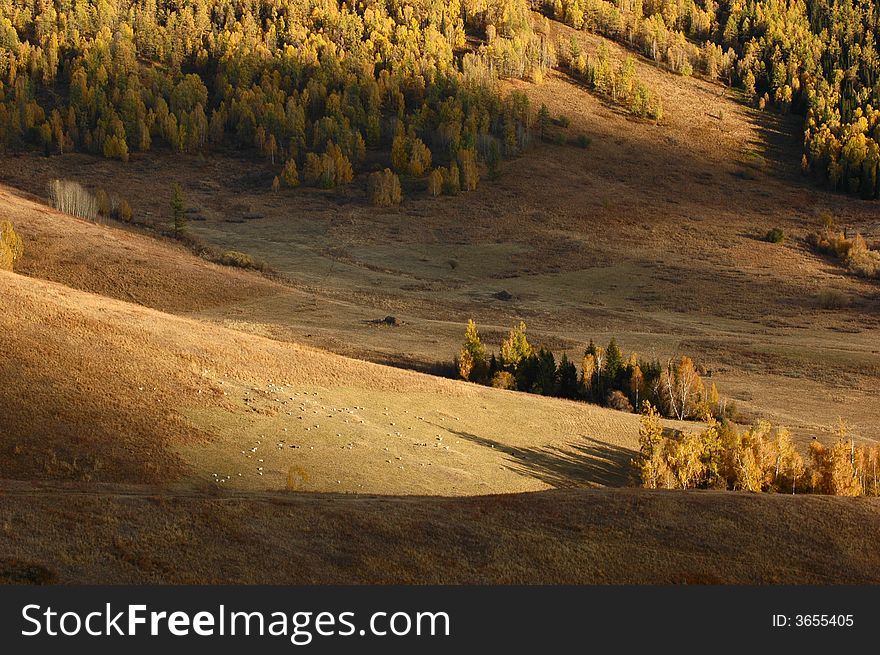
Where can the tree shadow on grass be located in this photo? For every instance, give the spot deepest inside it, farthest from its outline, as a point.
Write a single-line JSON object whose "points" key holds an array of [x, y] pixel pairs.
{"points": [[589, 463]]}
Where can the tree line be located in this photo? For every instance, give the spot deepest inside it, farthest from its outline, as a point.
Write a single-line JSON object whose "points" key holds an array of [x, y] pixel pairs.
{"points": [[605, 377], [311, 85]]}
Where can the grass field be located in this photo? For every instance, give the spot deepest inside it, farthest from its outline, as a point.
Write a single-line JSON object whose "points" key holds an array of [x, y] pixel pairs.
{"points": [[167, 419], [132, 535]]}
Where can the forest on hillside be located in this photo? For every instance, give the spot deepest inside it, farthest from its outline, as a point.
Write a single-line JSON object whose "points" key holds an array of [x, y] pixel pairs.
{"points": [[314, 84], [311, 84], [818, 58]]}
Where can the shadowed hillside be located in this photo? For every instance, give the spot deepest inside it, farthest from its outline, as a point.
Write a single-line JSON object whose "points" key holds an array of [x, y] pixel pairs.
{"points": [[125, 535]]}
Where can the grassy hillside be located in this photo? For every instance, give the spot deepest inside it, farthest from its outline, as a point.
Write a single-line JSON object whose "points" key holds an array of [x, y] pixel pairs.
{"points": [[97, 390], [106, 390], [121, 534], [633, 237]]}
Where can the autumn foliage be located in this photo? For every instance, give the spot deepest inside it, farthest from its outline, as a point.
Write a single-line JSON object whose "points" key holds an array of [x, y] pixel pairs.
{"points": [[307, 86], [757, 459], [11, 246], [606, 376], [818, 58], [383, 188]]}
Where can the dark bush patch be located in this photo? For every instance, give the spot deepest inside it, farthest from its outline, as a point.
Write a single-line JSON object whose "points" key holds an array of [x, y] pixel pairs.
{"points": [[776, 235]]}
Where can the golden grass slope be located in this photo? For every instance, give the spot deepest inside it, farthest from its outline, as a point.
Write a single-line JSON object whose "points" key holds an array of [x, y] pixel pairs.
{"points": [[102, 390], [153, 428]]}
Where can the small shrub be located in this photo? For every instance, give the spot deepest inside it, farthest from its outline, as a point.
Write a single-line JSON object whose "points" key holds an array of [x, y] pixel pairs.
{"points": [[11, 246], [861, 260], [70, 198], [776, 235], [832, 299], [618, 400], [235, 258], [558, 139], [504, 380], [384, 188], [582, 141], [854, 253], [562, 121]]}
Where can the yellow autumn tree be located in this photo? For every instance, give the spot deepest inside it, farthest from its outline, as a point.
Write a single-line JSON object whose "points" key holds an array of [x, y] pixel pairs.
{"points": [[435, 182], [470, 174], [11, 246], [515, 348], [419, 158], [789, 467], [399, 153], [473, 363], [680, 389], [290, 174], [651, 462], [383, 188]]}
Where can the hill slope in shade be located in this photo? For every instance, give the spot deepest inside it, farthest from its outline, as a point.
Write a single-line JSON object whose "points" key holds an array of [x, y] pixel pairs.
{"points": [[123, 534]]}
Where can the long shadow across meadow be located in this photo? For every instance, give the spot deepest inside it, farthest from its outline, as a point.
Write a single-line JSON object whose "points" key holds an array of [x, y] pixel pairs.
{"points": [[592, 463]]}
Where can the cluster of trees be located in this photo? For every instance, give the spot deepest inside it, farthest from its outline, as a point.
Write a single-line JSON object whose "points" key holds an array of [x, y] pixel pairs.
{"points": [[384, 188], [817, 57], [605, 377], [854, 252], [666, 31], [112, 206], [310, 84], [72, 198], [618, 82], [758, 459], [11, 246]]}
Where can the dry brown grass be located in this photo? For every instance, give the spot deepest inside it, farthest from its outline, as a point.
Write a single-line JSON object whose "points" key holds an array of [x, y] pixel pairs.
{"points": [[111, 261], [131, 535]]}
